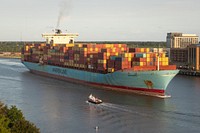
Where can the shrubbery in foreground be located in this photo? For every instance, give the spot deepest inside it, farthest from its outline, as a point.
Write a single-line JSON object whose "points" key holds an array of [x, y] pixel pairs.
{"points": [[13, 121]]}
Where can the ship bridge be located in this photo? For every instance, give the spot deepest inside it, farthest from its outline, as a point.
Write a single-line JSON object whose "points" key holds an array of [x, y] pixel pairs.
{"points": [[59, 38]]}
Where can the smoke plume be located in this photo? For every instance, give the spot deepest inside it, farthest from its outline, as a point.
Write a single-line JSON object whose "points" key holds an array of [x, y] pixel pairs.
{"points": [[65, 7]]}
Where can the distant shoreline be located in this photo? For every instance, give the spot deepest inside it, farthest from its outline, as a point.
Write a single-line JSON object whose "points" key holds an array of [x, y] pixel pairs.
{"points": [[9, 57], [13, 55]]}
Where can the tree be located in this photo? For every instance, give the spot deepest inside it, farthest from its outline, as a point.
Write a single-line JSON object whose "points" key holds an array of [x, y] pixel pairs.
{"points": [[4, 122], [13, 121]]}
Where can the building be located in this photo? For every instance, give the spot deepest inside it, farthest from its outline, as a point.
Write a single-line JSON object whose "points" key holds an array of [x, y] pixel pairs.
{"points": [[178, 44], [179, 56], [194, 56], [180, 40]]}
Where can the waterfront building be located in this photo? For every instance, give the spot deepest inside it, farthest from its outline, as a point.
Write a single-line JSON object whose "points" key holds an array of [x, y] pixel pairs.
{"points": [[178, 44], [194, 56], [179, 56], [180, 40]]}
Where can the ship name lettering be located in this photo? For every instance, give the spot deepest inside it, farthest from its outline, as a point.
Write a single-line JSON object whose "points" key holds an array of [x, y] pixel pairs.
{"points": [[59, 71]]}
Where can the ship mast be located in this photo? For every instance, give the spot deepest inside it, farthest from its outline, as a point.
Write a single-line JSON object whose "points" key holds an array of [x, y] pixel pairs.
{"points": [[158, 67], [158, 58]]}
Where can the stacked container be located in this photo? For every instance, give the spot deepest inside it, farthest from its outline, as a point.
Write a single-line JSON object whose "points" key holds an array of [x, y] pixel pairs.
{"points": [[97, 57]]}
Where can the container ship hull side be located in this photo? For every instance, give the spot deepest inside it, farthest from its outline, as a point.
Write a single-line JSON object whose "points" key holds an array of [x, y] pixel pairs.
{"points": [[152, 83]]}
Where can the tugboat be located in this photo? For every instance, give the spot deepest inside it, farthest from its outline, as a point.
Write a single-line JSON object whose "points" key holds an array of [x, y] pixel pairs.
{"points": [[93, 99]]}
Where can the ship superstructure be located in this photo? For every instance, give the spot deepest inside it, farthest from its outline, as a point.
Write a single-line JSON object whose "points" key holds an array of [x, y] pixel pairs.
{"points": [[59, 38]]}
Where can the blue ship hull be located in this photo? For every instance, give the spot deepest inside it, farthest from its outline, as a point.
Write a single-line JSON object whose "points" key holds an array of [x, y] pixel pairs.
{"points": [[143, 82]]}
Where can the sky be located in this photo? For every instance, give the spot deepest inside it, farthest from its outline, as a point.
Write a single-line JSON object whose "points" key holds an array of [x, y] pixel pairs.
{"points": [[99, 20]]}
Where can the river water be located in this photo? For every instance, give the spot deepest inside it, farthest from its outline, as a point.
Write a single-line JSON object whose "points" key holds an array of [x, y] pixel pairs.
{"points": [[60, 107]]}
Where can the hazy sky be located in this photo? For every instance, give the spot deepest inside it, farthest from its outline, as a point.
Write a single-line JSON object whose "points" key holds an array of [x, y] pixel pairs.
{"points": [[132, 20]]}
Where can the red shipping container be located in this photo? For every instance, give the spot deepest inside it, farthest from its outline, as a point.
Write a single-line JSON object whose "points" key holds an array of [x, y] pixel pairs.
{"points": [[102, 55], [169, 67], [131, 50], [111, 63]]}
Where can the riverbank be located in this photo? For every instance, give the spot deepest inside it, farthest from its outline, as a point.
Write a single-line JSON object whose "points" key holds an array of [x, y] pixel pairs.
{"points": [[189, 73], [15, 55]]}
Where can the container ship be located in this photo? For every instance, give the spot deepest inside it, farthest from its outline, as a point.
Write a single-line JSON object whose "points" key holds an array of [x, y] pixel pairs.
{"points": [[113, 66]]}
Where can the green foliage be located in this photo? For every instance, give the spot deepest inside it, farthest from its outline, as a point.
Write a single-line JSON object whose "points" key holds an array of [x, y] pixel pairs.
{"points": [[14, 114], [13, 121], [133, 44], [147, 44], [4, 124], [24, 126], [11, 46], [16, 46]]}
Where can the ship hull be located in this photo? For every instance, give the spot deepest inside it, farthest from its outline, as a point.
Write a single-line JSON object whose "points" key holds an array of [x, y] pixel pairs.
{"points": [[153, 83]]}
